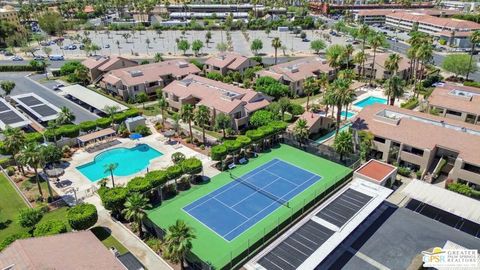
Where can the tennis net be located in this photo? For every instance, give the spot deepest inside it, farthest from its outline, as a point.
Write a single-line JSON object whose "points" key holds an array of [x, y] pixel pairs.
{"points": [[260, 190]]}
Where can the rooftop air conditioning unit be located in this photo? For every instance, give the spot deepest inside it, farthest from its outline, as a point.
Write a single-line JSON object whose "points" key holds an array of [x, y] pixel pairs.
{"points": [[182, 64], [294, 69], [136, 73]]}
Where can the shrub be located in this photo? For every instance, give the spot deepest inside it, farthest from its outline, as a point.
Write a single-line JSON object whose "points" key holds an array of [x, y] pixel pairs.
{"points": [[50, 227], [138, 184], [278, 125], [266, 130], [69, 67], [82, 216], [296, 109], [33, 137], [156, 178], [131, 113], [232, 146], [119, 118], [255, 135], [10, 170], [103, 122], [404, 171], [460, 188], [218, 152], [113, 198], [141, 129], [11, 238], [192, 165], [15, 68], [88, 126], [197, 63], [410, 104], [214, 76], [243, 140], [430, 80], [178, 157], [472, 84], [174, 171], [70, 131], [28, 217]]}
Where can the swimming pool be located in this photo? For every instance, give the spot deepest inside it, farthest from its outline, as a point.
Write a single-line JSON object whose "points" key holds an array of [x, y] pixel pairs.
{"points": [[329, 135], [348, 114], [370, 101], [129, 160]]}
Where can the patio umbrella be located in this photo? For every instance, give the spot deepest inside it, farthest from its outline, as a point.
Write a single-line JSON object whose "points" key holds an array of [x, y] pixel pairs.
{"points": [[53, 172], [169, 134], [135, 136]]}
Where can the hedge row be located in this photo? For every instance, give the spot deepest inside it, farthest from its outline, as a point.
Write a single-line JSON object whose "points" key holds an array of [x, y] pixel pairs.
{"points": [[464, 190], [472, 84], [114, 198], [50, 227], [218, 152], [18, 68]]}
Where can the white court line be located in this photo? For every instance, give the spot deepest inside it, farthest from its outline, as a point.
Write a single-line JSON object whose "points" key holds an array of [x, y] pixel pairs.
{"points": [[255, 192], [231, 208]]}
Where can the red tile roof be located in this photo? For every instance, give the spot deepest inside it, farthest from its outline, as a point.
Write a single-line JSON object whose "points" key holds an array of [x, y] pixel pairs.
{"points": [[298, 70], [446, 23], [443, 96], [227, 60], [376, 170]]}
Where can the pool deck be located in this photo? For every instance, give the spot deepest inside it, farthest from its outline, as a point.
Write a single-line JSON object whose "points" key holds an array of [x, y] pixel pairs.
{"points": [[73, 178]]}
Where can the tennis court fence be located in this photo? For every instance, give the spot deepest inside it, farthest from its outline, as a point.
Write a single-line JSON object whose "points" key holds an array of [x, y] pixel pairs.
{"points": [[298, 208]]}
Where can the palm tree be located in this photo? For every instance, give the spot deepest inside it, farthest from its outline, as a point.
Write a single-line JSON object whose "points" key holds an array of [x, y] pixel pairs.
{"points": [[111, 111], [375, 41], [301, 131], [178, 242], [187, 115], [13, 143], [310, 86], [335, 55], [474, 39], [348, 53], [423, 54], [65, 116], [276, 43], [394, 88], [32, 156], [202, 117], [163, 104], [7, 87], [343, 144], [135, 206], [52, 128], [392, 63], [360, 59], [158, 57], [363, 32], [111, 167], [340, 96]]}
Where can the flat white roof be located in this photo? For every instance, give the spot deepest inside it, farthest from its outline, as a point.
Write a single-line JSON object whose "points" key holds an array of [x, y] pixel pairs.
{"points": [[9, 116], [366, 197], [444, 199], [38, 107], [91, 98]]}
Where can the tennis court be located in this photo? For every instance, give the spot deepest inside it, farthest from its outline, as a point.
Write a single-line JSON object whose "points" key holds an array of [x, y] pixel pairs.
{"points": [[240, 204]]}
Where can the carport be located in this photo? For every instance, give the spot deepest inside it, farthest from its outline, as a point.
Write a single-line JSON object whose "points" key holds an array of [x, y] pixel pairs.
{"points": [[91, 99]]}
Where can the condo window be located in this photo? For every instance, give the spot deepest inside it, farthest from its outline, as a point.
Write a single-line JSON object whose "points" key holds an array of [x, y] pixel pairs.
{"points": [[412, 150], [471, 168], [378, 139], [454, 113]]}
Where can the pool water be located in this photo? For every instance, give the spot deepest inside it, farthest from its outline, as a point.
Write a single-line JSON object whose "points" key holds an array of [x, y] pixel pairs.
{"points": [[370, 101], [129, 160], [348, 114], [329, 135]]}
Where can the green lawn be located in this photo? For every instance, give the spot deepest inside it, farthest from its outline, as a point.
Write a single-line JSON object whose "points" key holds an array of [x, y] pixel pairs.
{"points": [[108, 240], [11, 203], [212, 248]]}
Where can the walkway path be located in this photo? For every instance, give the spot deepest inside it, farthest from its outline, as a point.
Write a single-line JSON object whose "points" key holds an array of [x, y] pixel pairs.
{"points": [[137, 247]]}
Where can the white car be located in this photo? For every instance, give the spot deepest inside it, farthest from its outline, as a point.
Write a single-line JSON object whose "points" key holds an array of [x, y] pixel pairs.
{"points": [[16, 58]]}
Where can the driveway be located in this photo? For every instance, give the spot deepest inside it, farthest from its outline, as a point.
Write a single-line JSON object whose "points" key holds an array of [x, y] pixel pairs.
{"points": [[28, 85]]}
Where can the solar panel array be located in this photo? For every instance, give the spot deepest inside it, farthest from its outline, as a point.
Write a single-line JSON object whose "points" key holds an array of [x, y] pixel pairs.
{"points": [[294, 250], [344, 207], [44, 110], [301, 244], [30, 101], [9, 116], [36, 106]]}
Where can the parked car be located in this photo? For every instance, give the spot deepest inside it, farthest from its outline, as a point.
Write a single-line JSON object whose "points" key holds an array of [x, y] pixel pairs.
{"points": [[81, 47], [39, 57], [107, 46], [56, 58], [58, 86], [17, 58], [72, 47]]}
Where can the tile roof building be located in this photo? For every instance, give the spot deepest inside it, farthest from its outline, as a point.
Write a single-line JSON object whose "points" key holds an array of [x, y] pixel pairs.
{"points": [[128, 82], [456, 102], [99, 65], [420, 141], [404, 68], [220, 97], [455, 32], [10, 15], [224, 62], [294, 73], [74, 251], [378, 16]]}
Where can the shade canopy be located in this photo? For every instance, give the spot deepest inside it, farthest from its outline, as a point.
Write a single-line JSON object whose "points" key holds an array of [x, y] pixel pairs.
{"points": [[135, 136]]}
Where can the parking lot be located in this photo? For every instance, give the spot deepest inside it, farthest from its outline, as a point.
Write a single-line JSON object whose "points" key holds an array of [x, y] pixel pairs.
{"points": [[45, 90]]}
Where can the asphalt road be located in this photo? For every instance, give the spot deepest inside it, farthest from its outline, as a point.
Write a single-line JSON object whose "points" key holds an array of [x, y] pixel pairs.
{"points": [[25, 85]]}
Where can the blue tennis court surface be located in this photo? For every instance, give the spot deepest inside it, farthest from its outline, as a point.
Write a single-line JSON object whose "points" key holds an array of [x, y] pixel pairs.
{"points": [[235, 207]]}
